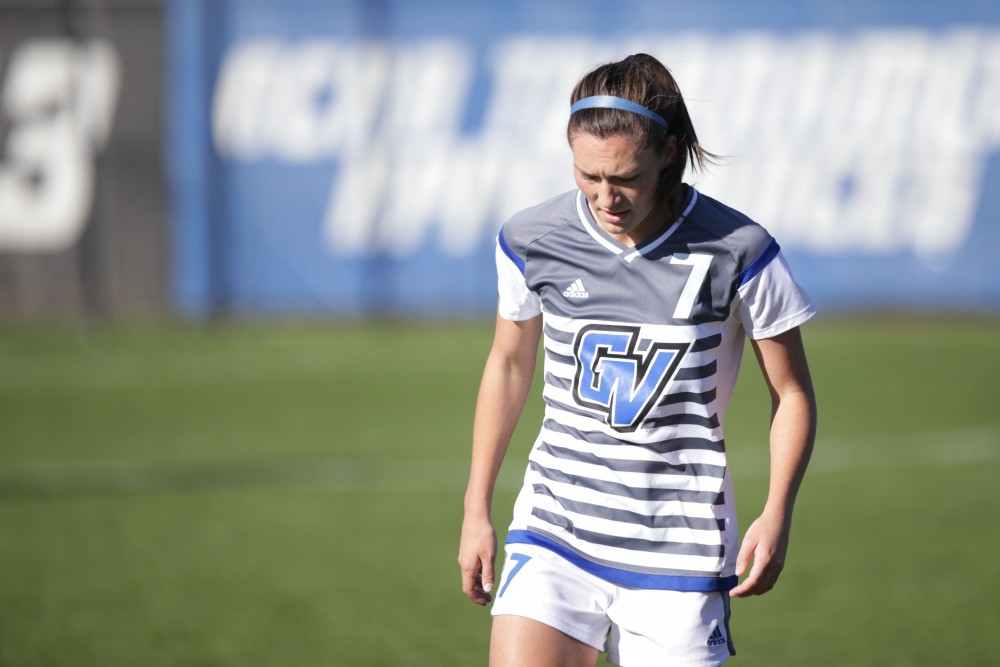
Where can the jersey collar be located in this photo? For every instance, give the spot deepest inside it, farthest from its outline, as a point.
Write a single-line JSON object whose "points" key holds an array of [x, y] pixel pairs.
{"points": [[628, 253]]}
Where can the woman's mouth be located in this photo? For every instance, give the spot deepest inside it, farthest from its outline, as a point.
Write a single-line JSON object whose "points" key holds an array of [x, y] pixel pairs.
{"points": [[615, 217]]}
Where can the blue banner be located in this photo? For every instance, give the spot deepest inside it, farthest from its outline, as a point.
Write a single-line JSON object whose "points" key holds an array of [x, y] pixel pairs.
{"points": [[357, 158]]}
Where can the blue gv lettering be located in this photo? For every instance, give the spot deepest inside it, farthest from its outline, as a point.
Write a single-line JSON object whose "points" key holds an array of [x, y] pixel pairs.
{"points": [[613, 378]]}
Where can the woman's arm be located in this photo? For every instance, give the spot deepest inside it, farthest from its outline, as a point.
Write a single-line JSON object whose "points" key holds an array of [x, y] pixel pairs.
{"points": [[507, 377], [793, 429]]}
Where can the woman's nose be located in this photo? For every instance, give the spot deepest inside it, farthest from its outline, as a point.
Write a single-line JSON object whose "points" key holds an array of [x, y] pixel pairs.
{"points": [[607, 195]]}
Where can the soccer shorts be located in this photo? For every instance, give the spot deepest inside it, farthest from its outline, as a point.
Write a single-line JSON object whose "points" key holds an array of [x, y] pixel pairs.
{"points": [[636, 627]]}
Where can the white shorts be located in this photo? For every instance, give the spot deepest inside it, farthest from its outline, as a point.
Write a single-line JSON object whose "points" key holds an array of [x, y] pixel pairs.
{"points": [[637, 627]]}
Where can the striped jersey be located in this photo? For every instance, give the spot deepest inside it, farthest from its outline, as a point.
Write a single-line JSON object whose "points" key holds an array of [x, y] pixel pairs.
{"points": [[628, 477]]}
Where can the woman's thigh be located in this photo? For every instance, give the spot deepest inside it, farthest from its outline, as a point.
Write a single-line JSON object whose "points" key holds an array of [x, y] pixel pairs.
{"points": [[517, 641]]}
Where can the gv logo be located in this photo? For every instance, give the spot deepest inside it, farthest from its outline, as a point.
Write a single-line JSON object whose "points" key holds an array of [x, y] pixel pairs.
{"points": [[615, 379]]}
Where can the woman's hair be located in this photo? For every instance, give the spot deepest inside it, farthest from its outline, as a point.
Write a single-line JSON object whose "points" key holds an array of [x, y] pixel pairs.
{"points": [[642, 79]]}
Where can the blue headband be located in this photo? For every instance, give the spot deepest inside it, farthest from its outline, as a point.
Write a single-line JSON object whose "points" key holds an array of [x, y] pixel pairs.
{"points": [[611, 102]]}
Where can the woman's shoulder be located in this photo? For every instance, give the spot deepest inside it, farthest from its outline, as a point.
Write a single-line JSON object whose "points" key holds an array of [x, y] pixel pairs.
{"points": [[742, 234], [534, 222]]}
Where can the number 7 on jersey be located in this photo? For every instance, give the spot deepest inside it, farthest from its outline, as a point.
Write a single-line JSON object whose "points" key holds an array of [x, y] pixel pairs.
{"points": [[699, 269]]}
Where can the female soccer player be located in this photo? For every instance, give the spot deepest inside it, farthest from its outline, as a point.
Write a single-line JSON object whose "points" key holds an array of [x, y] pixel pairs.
{"points": [[624, 535]]}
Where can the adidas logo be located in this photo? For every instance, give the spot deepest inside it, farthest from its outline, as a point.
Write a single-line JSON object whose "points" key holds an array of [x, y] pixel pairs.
{"points": [[576, 291], [716, 638]]}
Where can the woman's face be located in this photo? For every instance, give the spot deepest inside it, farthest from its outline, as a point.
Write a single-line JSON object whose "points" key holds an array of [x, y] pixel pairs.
{"points": [[621, 182]]}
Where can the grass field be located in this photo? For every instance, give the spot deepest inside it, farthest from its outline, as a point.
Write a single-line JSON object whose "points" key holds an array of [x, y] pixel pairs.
{"points": [[291, 495]]}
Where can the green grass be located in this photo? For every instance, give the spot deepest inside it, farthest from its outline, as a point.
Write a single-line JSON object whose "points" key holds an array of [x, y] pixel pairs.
{"points": [[276, 495]]}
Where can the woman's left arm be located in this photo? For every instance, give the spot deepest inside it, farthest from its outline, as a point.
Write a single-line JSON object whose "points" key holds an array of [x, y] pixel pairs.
{"points": [[793, 429]]}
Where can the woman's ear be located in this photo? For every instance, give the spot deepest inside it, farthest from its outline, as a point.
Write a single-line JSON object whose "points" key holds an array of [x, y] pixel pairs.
{"points": [[670, 150]]}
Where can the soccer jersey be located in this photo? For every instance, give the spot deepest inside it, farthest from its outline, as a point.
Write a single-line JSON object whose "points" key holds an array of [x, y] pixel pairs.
{"points": [[628, 477]]}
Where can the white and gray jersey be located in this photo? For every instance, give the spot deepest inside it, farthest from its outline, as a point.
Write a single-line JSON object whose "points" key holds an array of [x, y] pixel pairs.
{"points": [[628, 477]]}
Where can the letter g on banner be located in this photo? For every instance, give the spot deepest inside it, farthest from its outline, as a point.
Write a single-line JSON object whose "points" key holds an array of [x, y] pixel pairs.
{"points": [[58, 102]]}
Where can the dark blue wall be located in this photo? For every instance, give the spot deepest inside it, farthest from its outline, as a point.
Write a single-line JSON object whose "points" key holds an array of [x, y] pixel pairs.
{"points": [[357, 158]]}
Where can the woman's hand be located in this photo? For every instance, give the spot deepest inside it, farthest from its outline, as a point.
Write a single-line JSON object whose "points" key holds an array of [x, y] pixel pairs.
{"points": [[765, 544], [476, 556]]}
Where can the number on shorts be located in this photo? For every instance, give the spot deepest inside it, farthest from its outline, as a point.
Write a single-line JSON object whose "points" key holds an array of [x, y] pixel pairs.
{"points": [[520, 560]]}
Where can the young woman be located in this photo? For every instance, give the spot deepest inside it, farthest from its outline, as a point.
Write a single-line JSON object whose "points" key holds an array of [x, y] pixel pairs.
{"points": [[624, 535]]}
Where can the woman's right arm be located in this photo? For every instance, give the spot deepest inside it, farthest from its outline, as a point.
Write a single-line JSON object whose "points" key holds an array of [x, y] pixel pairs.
{"points": [[507, 377]]}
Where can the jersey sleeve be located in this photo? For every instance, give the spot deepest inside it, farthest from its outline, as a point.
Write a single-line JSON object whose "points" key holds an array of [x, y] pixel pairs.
{"points": [[516, 301], [769, 301]]}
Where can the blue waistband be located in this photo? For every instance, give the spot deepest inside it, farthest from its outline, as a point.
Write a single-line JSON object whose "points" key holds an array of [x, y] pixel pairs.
{"points": [[662, 582]]}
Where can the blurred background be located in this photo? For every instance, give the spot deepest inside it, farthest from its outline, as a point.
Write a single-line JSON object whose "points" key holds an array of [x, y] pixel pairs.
{"points": [[345, 159], [247, 284]]}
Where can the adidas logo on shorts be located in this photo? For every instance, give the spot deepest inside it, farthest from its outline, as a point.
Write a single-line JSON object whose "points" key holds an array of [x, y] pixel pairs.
{"points": [[576, 291], [716, 638]]}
